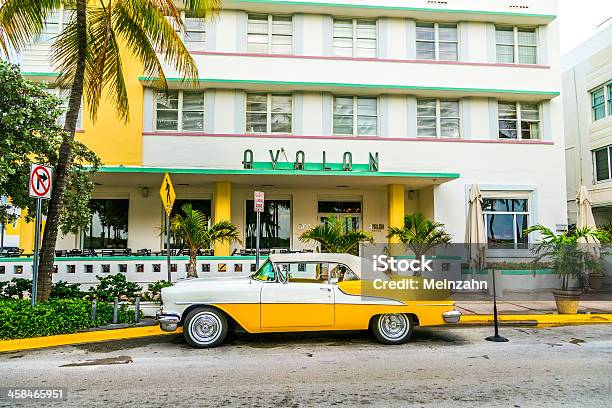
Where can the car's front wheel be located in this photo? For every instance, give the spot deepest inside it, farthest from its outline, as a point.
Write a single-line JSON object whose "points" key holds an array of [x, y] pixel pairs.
{"points": [[205, 327], [392, 328]]}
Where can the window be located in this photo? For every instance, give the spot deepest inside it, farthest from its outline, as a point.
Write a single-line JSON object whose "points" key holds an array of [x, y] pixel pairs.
{"points": [[314, 272], [437, 118], [598, 104], [354, 38], [516, 44], [601, 158], [354, 115], [195, 32], [268, 34], [64, 95], [349, 211], [518, 120], [437, 41], [610, 99], [269, 113], [505, 222], [275, 225], [109, 224], [180, 110], [54, 23]]}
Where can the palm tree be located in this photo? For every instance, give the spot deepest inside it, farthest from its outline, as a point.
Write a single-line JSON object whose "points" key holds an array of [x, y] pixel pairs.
{"points": [[420, 234], [192, 228], [88, 54], [569, 257], [335, 236]]}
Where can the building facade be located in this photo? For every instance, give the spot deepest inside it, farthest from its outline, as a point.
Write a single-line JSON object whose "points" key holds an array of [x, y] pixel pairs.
{"points": [[587, 99], [366, 109]]}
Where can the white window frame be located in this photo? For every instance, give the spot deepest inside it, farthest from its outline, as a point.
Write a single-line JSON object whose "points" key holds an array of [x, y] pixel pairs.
{"points": [[607, 180], [606, 88], [57, 92], [269, 96], [60, 24], [519, 120], [180, 112], [356, 114], [270, 34], [513, 213], [515, 30], [437, 41], [439, 117], [355, 38]]}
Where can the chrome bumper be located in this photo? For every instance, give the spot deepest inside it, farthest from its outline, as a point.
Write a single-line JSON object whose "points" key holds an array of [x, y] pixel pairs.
{"points": [[167, 323], [452, 316]]}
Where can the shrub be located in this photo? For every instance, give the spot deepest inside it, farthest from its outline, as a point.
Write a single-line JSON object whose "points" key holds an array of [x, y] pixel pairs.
{"points": [[114, 286], [17, 288], [154, 290], [65, 290], [19, 319]]}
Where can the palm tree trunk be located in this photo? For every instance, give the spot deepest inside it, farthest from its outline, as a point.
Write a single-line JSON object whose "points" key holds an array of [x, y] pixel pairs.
{"points": [[62, 170], [191, 268]]}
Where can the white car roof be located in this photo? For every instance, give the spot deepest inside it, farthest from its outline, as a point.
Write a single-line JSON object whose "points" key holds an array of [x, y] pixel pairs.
{"points": [[352, 261]]}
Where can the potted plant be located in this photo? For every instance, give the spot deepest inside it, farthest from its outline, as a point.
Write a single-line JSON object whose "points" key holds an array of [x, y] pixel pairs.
{"points": [[420, 234], [569, 260], [192, 228]]}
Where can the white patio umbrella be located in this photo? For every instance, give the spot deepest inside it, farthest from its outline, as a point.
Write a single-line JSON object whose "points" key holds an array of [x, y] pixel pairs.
{"points": [[585, 218], [475, 234]]}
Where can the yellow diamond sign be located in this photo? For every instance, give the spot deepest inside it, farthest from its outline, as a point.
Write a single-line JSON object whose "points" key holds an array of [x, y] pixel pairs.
{"points": [[167, 194]]}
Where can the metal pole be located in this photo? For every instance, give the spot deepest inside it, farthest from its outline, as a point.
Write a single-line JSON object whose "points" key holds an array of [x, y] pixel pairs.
{"points": [[36, 250], [168, 246], [115, 310], [2, 238], [257, 232], [137, 310], [497, 337]]}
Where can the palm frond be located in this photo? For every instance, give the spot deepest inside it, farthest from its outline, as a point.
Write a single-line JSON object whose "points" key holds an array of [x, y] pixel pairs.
{"points": [[22, 20]]}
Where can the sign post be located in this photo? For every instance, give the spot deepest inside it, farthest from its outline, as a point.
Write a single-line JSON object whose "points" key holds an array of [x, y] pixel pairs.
{"points": [[167, 194], [259, 207], [40, 189]]}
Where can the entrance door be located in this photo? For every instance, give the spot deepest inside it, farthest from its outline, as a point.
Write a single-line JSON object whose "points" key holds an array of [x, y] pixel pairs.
{"points": [[303, 299]]}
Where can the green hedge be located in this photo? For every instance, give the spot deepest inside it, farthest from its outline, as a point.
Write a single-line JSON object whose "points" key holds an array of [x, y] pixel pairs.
{"points": [[18, 319]]}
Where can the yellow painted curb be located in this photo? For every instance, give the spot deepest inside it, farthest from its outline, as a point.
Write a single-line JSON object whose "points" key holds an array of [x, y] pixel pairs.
{"points": [[541, 319], [84, 337]]}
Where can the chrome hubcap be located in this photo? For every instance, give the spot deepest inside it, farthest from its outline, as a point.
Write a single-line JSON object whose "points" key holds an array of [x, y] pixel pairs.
{"points": [[205, 327], [393, 326]]}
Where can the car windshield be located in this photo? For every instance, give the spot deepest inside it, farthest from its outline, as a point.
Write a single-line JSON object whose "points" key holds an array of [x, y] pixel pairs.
{"points": [[265, 273]]}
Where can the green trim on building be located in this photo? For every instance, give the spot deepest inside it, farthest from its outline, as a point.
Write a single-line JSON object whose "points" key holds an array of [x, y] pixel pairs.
{"points": [[51, 74], [27, 260], [393, 8], [161, 170], [511, 271], [350, 85]]}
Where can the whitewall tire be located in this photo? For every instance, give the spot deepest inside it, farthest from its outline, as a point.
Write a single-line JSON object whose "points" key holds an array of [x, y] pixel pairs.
{"points": [[205, 327], [392, 328]]}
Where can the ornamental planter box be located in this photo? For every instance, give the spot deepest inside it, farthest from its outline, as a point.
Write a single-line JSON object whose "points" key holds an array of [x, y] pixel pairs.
{"points": [[515, 279]]}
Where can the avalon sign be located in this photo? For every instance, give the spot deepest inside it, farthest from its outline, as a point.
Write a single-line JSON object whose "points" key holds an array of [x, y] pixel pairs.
{"points": [[300, 162]]}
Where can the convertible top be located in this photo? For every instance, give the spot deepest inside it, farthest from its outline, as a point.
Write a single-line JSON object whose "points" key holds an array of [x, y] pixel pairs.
{"points": [[352, 261]]}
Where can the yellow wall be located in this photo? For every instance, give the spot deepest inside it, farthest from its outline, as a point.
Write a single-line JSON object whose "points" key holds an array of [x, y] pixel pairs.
{"points": [[222, 210], [396, 208], [116, 142], [426, 202]]}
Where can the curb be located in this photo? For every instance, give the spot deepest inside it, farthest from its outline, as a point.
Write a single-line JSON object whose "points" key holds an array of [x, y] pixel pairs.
{"points": [[82, 337], [537, 320]]}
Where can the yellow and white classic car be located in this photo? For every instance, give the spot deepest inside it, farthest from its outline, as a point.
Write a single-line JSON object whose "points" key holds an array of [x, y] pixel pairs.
{"points": [[291, 293]]}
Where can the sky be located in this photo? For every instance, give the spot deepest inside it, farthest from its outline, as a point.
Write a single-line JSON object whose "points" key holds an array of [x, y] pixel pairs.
{"points": [[581, 19]]}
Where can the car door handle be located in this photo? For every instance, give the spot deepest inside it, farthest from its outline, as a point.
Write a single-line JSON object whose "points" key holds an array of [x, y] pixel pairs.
{"points": [[327, 289]]}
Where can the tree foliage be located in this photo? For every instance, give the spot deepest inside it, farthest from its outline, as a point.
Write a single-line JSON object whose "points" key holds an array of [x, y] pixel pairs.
{"points": [[335, 236], [31, 133], [192, 228]]}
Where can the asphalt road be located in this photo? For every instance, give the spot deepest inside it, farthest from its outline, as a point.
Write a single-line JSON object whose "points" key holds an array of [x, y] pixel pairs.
{"points": [[443, 367]]}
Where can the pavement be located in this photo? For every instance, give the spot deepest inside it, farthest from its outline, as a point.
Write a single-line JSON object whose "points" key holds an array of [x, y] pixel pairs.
{"points": [[568, 366]]}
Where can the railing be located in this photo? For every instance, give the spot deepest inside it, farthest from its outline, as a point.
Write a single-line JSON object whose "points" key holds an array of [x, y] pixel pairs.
{"points": [[140, 269]]}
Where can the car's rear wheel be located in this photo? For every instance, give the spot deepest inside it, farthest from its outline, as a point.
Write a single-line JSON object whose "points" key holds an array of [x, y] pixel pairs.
{"points": [[205, 327], [392, 328]]}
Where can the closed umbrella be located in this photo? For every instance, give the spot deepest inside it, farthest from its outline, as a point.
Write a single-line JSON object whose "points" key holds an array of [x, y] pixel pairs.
{"points": [[475, 235], [584, 219]]}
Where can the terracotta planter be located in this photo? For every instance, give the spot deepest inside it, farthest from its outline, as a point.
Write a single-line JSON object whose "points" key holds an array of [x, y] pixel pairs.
{"points": [[596, 281], [567, 301]]}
